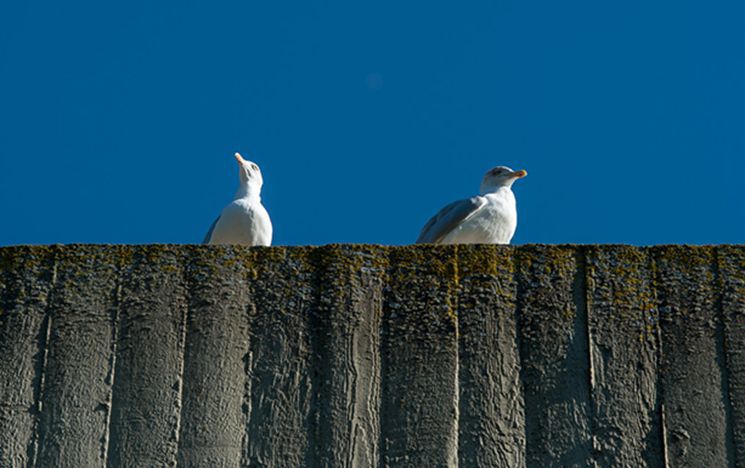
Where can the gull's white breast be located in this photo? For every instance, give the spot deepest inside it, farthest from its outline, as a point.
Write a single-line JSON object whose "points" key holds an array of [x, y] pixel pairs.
{"points": [[244, 222], [494, 223]]}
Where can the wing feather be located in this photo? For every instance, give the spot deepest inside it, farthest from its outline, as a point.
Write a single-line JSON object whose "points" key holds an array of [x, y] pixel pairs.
{"points": [[208, 237], [448, 218]]}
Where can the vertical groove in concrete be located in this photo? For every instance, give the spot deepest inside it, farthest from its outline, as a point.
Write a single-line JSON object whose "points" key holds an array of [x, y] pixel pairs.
{"points": [[74, 413], [145, 400], [247, 388], [663, 433], [278, 429], [44, 340], [111, 377], [492, 413], [346, 335], [182, 346], [419, 360], [623, 323], [27, 277], [46, 331], [554, 358], [721, 352], [731, 268], [660, 396], [579, 291], [691, 375], [217, 342]]}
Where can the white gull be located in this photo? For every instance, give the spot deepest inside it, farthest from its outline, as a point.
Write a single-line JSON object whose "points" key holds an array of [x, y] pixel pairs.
{"points": [[244, 221], [488, 218]]}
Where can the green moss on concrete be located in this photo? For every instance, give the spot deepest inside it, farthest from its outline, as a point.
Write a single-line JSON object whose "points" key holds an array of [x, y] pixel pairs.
{"points": [[27, 257], [731, 266], [684, 279], [624, 274], [686, 260], [421, 267], [548, 266], [492, 260], [406, 264]]}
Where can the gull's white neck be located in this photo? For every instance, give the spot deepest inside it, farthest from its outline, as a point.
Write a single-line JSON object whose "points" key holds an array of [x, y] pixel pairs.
{"points": [[247, 191], [498, 190]]}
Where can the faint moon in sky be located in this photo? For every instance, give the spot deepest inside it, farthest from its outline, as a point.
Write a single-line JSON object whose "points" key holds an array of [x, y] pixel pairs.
{"points": [[374, 81]]}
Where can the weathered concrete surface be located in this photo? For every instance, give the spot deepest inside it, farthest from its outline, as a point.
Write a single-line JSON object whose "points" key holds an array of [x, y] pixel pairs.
{"points": [[372, 356], [491, 400], [552, 316], [419, 350], [146, 401], [693, 374], [623, 324]]}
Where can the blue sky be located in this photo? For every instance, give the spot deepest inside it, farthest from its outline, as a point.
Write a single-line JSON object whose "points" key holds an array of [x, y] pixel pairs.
{"points": [[118, 121]]}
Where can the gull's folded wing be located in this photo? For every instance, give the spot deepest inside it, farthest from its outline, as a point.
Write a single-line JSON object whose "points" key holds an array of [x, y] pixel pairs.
{"points": [[208, 237], [448, 218]]}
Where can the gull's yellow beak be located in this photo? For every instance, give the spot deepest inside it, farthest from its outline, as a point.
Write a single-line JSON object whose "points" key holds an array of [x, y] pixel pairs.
{"points": [[239, 158], [519, 174]]}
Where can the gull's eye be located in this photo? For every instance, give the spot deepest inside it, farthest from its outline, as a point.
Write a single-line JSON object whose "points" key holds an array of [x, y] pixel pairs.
{"points": [[254, 167]]}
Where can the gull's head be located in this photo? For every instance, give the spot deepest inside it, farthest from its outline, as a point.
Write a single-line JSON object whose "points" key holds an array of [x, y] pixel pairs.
{"points": [[500, 176], [249, 172]]}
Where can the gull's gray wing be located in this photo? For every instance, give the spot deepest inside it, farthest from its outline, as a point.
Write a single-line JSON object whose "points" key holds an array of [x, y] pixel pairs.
{"points": [[208, 237], [448, 218]]}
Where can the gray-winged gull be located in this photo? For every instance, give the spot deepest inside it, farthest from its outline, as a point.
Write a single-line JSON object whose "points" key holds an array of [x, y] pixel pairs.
{"points": [[245, 220], [489, 218]]}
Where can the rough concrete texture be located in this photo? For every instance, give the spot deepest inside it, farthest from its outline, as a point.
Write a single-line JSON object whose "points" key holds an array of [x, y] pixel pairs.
{"points": [[372, 356]]}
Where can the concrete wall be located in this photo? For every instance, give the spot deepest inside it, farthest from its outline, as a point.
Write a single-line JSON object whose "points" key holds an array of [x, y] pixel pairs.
{"points": [[372, 356]]}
